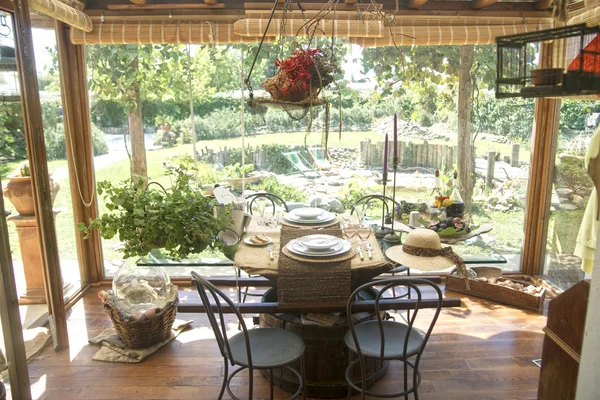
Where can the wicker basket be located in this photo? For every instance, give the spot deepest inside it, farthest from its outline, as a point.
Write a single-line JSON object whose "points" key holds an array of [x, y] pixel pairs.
{"points": [[146, 332]]}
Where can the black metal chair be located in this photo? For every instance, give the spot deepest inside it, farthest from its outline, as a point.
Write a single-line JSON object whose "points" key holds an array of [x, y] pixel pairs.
{"points": [[389, 340], [365, 202], [275, 201], [260, 348]]}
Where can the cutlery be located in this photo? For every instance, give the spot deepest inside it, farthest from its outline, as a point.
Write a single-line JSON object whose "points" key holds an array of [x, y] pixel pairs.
{"points": [[271, 256], [369, 248], [360, 254]]}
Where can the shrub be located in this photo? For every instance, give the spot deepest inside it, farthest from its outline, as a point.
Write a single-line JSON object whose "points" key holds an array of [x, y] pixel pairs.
{"points": [[571, 173], [56, 147], [287, 192]]}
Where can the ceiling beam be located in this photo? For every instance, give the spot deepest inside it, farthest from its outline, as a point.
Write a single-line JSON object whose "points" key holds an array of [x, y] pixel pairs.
{"points": [[416, 3], [479, 4], [138, 2], [542, 4], [122, 7]]}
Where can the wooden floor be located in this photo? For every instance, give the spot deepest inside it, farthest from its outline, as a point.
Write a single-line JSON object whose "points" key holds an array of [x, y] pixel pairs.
{"points": [[479, 351]]}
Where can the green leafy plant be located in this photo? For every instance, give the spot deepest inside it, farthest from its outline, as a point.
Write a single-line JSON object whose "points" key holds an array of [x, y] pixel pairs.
{"points": [[163, 120], [286, 192], [236, 170], [354, 190], [23, 169], [180, 218]]}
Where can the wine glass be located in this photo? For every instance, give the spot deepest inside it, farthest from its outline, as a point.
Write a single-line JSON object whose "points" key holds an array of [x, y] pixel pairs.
{"points": [[273, 220], [364, 232], [349, 230], [261, 205]]}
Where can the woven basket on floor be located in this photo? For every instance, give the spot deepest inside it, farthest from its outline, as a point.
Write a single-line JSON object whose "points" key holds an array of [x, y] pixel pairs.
{"points": [[145, 332]]}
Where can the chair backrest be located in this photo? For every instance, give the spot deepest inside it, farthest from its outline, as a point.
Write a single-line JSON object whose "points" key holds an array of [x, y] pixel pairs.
{"points": [[320, 157], [387, 286], [217, 321], [299, 162], [273, 199], [364, 202]]}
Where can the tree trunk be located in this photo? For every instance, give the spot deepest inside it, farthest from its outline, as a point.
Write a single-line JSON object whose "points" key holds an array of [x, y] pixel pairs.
{"points": [[136, 133], [466, 165]]}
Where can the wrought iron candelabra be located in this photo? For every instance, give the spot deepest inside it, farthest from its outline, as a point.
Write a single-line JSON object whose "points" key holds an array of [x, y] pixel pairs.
{"points": [[392, 237], [383, 231]]}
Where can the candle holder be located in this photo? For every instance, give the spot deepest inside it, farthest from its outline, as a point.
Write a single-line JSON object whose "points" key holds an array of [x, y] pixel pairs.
{"points": [[383, 231], [392, 237]]}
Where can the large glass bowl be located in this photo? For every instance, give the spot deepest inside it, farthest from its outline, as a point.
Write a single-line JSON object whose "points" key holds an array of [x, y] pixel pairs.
{"points": [[138, 288]]}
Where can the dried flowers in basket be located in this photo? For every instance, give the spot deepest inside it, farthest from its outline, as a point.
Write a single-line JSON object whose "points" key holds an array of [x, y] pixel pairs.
{"points": [[302, 76]]}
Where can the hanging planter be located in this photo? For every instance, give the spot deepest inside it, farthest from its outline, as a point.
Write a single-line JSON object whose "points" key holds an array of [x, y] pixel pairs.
{"points": [[301, 76]]}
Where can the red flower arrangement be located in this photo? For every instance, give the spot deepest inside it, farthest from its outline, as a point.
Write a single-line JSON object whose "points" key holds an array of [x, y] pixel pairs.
{"points": [[296, 70]]}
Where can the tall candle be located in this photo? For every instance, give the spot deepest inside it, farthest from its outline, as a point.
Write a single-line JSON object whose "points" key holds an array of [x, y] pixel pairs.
{"points": [[385, 154], [395, 137]]}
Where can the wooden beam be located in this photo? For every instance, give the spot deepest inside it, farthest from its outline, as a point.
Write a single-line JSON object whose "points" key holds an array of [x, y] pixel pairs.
{"points": [[12, 330], [194, 6], [543, 4], [36, 150], [272, 308], [264, 282], [541, 178], [479, 4], [80, 154], [138, 2], [414, 4]]}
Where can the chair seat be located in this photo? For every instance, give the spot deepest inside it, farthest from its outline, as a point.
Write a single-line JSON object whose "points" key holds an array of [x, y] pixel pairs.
{"points": [[369, 338], [270, 347]]}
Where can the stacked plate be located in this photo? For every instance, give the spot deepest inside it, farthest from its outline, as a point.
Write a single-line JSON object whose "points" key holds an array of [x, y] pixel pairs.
{"points": [[309, 216], [319, 246]]}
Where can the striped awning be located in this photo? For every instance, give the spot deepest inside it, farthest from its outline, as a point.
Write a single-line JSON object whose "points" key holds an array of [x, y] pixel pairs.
{"points": [[63, 12], [446, 35], [253, 27], [160, 33]]}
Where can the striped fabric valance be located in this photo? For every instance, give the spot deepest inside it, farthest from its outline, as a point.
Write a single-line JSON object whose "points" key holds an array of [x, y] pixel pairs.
{"points": [[445, 35], [160, 33], [63, 12], [591, 17], [252, 27]]}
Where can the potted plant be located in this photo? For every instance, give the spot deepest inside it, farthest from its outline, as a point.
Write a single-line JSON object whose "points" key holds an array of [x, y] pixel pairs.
{"points": [[302, 75], [164, 122], [19, 192], [179, 218]]}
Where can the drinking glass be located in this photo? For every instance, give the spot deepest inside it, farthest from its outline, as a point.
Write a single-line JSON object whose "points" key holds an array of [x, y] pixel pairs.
{"points": [[349, 230], [364, 232], [273, 220], [260, 207]]}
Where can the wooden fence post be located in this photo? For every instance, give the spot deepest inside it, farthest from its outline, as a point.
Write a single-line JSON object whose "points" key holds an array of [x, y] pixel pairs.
{"points": [[491, 163], [514, 155]]}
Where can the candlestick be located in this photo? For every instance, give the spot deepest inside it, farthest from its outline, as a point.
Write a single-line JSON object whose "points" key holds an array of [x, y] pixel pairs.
{"points": [[395, 136], [382, 231], [392, 237], [385, 155]]}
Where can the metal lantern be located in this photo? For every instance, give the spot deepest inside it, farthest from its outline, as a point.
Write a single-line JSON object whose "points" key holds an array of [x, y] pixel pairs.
{"points": [[549, 63]]}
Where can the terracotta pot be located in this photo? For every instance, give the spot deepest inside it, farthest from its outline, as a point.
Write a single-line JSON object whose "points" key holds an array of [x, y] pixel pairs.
{"points": [[19, 192]]}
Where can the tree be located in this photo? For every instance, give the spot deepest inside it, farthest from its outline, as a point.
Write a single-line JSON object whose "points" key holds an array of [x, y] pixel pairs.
{"points": [[125, 73], [466, 150]]}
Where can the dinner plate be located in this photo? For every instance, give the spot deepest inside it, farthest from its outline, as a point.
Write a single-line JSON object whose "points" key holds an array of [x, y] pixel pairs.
{"points": [[307, 212], [321, 219], [319, 242], [298, 248], [251, 243]]}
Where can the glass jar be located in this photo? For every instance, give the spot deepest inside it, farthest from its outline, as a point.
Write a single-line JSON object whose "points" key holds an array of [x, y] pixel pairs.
{"points": [[137, 288]]}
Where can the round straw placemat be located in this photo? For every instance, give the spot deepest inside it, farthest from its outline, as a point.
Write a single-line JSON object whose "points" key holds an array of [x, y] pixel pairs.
{"points": [[303, 226], [321, 260]]}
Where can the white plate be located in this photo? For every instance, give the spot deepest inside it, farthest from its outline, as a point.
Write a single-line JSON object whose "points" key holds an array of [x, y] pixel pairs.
{"points": [[298, 248], [319, 242], [321, 219], [251, 243], [307, 212]]}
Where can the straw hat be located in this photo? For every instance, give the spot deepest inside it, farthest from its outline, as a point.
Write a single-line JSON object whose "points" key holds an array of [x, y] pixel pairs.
{"points": [[421, 239]]}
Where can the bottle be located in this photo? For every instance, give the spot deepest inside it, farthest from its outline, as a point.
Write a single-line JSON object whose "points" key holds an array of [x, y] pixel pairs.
{"points": [[457, 208], [434, 208]]}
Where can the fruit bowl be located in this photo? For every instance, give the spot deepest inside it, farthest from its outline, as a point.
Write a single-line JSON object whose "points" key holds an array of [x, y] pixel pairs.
{"points": [[451, 227]]}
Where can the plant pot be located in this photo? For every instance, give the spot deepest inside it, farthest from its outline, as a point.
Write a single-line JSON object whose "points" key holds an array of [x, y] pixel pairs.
{"points": [[165, 128], [20, 193], [274, 84]]}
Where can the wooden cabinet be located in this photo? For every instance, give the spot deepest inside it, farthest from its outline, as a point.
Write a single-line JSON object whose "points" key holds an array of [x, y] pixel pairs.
{"points": [[562, 344]]}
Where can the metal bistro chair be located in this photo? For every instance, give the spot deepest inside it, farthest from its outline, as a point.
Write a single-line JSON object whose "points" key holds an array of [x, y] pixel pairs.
{"points": [[390, 340], [260, 348]]}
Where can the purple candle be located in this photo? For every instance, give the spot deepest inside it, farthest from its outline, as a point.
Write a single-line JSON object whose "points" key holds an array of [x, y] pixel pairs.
{"points": [[385, 154], [395, 137]]}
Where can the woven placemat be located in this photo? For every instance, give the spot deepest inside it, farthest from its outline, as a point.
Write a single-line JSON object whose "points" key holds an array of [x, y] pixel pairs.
{"points": [[327, 225], [341, 257], [308, 282]]}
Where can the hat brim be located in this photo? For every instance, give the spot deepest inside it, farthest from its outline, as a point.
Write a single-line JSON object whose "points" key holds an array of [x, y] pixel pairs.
{"points": [[437, 263]]}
